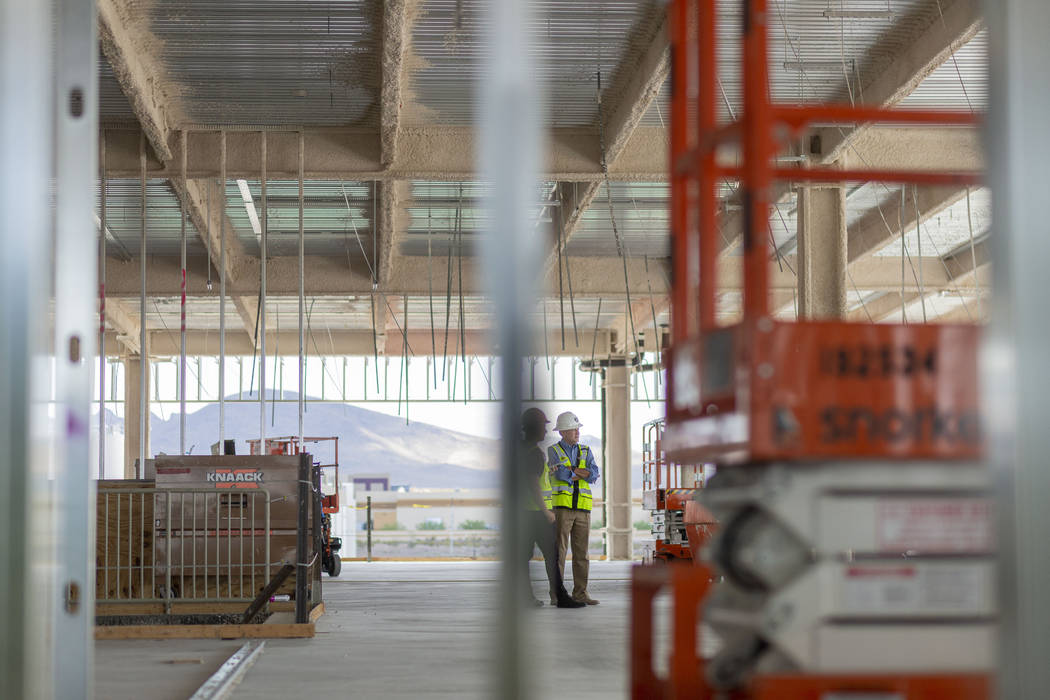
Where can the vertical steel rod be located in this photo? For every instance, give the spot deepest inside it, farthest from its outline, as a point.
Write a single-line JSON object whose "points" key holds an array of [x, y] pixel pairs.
{"points": [[302, 296], [143, 350], [182, 303], [222, 294], [167, 560], [102, 307], [368, 525], [262, 302]]}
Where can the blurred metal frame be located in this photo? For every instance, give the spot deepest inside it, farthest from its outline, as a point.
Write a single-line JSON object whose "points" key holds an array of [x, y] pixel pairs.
{"points": [[1014, 370], [76, 167], [26, 142]]}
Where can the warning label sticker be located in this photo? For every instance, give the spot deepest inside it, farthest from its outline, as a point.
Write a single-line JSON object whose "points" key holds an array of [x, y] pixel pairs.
{"points": [[919, 589], [935, 525]]}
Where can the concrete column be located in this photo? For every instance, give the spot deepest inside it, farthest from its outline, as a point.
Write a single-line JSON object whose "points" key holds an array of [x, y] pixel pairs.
{"points": [[822, 252], [131, 414], [617, 468]]}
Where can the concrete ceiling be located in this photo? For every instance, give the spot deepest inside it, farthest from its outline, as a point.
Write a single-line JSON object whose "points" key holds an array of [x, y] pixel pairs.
{"points": [[381, 93]]}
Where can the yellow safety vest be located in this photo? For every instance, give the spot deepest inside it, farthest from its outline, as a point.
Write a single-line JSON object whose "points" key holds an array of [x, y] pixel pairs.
{"points": [[545, 486], [565, 494]]}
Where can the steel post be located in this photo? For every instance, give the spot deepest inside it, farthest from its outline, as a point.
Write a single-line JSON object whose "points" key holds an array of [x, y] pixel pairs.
{"points": [[1014, 355], [76, 166], [25, 169]]}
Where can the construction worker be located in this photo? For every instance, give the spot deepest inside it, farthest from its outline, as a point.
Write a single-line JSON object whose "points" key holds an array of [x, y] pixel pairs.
{"points": [[574, 472], [539, 521]]}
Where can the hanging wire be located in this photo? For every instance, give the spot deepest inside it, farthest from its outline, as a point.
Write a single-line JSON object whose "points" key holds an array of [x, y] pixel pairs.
{"points": [[594, 337], [973, 257], [904, 253], [568, 278], [621, 249], [448, 288], [375, 339], [546, 348], [918, 239], [430, 297]]}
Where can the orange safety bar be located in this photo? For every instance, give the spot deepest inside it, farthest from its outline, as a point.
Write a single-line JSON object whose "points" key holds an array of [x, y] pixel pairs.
{"points": [[696, 136], [753, 385]]}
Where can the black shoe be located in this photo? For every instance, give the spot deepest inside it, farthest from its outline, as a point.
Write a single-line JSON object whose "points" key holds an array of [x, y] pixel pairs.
{"points": [[570, 603]]}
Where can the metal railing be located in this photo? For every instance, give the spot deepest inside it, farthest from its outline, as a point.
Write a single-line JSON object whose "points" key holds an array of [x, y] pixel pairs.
{"points": [[177, 545]]}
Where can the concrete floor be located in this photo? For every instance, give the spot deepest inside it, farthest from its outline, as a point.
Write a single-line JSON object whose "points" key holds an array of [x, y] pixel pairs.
{"points": [[399, 630]]}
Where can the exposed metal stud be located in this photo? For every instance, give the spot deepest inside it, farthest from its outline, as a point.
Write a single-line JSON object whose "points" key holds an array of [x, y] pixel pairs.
{"points": [[182, 304], [302, 299], [143, 347], [102, 307], [262, 300], [76, 166], [25, 129], [222, 295]]}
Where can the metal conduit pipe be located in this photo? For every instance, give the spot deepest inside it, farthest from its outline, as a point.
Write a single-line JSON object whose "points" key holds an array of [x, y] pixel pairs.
{"points": [[222, 295], [143, 349], [302, 299], [182, 303], [261, 340], [102, 308]]}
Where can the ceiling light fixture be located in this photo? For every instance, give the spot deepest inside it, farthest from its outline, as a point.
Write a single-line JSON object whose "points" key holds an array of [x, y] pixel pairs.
{"points": [[249, 206]]}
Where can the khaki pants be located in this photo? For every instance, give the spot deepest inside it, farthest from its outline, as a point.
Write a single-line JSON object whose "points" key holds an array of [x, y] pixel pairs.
{"points": [[574, 525]]}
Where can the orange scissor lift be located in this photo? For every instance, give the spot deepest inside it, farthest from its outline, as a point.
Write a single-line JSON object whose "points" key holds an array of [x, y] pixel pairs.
{"points": [[680, 524], [850, 495], [291, 445]]}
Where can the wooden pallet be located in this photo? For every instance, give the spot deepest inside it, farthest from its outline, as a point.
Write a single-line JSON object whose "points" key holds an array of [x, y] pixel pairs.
{"points": [[277, 629]]}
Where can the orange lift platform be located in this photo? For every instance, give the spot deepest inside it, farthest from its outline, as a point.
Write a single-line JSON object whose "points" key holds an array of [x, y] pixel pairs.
{"points": [[291, 445], [680, 524], [854, 551]]}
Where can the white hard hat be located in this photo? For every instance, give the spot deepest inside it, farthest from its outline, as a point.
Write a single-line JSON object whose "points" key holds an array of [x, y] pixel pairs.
{"points": [[567, 421]]}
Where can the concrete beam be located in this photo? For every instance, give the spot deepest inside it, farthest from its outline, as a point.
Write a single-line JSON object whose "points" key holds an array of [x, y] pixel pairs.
{"points": [[882, 225], [125, 35], [208, 220], [247, 310], [885, 308], [592, 277], [352, 342], [954, 149], [398, 18], [391, 226], [874, 273], [125, 324], [444, 153], [643, 322], [822, 263], [638, 80], [931, 44], [881, 148]]}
